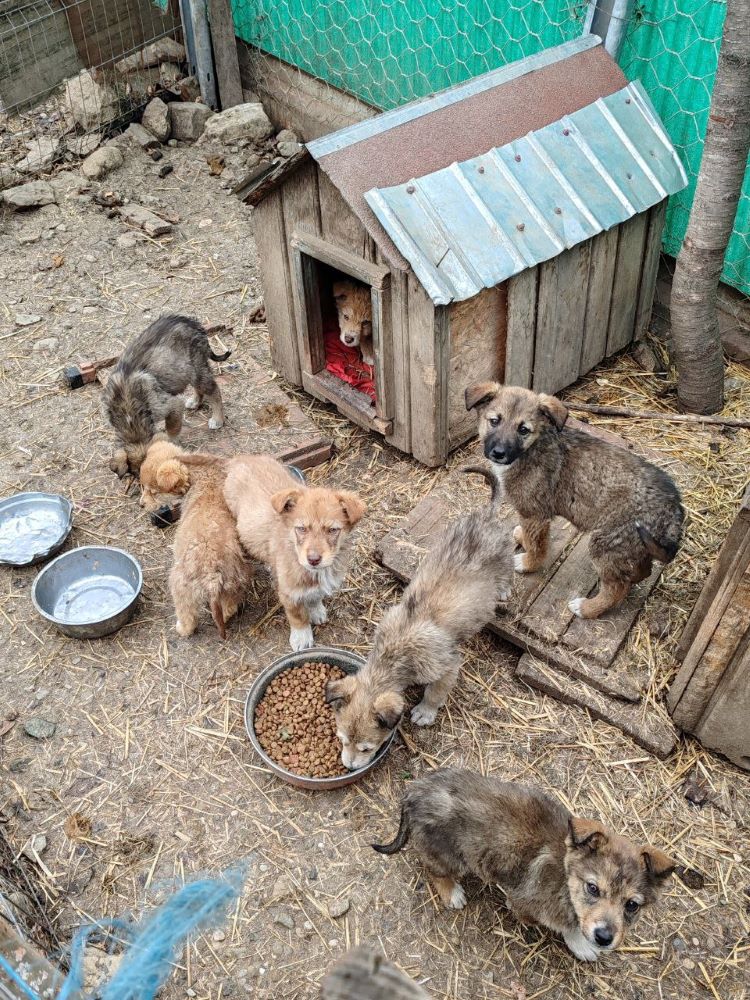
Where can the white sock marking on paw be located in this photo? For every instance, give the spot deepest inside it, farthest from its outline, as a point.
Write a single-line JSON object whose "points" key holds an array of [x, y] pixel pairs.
{"points": [[575, 606], [318, 614], [458, 898], [301, 638], [518, 535], [581, 947], [423, 715], [519, 562], [215, 423], [505, 594]]}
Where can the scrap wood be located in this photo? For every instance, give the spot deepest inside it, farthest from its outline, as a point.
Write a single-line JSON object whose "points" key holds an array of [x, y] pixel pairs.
{"points": [[76, 375], [681, 418]]}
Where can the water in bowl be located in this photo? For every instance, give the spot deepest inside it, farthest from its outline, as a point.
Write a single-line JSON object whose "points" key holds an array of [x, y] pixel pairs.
{"points": [[92, 599], [28, 531]]}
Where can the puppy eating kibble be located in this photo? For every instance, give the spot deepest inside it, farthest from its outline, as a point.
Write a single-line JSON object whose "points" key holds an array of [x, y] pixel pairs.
{"points": [[631, 508], [451, 597], [566, 873], [354, 306], [301, 533], [142, 395]]}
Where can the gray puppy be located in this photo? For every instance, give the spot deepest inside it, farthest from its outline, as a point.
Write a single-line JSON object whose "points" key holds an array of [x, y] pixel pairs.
{"points": [[144, 389]]}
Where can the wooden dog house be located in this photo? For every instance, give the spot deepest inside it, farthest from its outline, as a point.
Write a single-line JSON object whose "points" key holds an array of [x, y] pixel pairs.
{"points": [[508, 228]]}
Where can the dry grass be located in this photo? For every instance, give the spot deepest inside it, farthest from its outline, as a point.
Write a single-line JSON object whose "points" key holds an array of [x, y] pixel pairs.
{"points": [[150, 755]]}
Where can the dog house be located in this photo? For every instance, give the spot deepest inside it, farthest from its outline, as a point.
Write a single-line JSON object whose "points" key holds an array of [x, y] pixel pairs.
{"points": [[508, 228]]}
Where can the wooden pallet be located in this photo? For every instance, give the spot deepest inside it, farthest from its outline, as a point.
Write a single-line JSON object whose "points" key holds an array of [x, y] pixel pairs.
{"points": [[583, 654]]}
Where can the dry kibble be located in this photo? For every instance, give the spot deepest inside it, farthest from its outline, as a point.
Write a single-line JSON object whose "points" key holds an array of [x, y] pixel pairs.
{"points": [[295, 726]]}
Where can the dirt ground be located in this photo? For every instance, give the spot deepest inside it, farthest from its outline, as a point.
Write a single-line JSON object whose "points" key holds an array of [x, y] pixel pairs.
{"points": [[150, 748]]}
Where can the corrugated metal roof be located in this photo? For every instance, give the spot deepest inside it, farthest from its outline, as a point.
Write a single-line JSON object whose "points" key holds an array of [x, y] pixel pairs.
{"points": [[474, 224]]}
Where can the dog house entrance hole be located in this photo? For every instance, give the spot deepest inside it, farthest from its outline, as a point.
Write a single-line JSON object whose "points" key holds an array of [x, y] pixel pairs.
{"points": [[332, 370]]}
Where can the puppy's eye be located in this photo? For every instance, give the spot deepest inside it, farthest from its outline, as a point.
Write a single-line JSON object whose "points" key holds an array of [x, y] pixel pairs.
{"points": [[592, 889], [632, 906], [300, 529], [333, 532], [494, 421], [364, 747], [523, 430], [347, 315]]}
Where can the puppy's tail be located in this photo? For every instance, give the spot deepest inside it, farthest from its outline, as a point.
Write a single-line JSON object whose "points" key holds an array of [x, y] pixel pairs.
{"points": [[400, 840], [218, 616], [489, 475], [218, 357], [663, 551]]}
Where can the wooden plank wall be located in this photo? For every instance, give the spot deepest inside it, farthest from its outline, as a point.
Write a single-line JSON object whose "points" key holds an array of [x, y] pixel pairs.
{"points": [[429, 366]]}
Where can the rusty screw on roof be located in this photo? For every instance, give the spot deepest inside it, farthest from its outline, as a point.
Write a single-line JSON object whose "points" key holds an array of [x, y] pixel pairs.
{"points": [[481, 170], [410, 189], [627, 100], [518, 157], [566, 131], [520, 227], [629, 176], [558, 211]]}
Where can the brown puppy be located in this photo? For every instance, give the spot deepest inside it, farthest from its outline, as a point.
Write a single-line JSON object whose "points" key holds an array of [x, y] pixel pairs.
{"points": [[143, 392], [355, 317], [300, 533], [210, 566], [631, 508], [567, 873], [452, 596]]}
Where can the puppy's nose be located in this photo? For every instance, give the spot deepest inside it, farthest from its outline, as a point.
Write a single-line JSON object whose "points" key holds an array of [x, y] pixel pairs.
{"points": [[497, 453], [603, 936], [314, 559], [348, 340]]}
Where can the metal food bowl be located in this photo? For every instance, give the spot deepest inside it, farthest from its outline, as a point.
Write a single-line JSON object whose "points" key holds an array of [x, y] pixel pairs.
{"points": [[297, 473], [33, 527], [88, 592], [350, 663]]}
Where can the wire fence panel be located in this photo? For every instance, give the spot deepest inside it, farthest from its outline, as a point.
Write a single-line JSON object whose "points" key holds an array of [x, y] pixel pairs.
{"points": [[672, 47]]}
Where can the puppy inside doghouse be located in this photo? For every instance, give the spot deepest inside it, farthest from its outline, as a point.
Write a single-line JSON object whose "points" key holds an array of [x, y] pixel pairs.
{"points": [[143, 394], [354, 307], [452, 596], [631, 508], [567, 873]]}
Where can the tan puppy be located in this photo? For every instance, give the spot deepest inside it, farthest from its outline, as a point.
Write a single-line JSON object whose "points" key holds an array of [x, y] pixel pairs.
{"points": [[631, 508], [355, 317], [300, 533], [567, 873], [452, 596], [210, 566]]}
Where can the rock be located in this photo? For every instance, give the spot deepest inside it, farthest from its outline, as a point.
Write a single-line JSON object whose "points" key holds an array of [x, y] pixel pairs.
{"points": [[288, 149], [98, 969], [244, 121], [286, 135], [156, 119], [140, 135], [285, 920], [101, 162], [37, 845], [126, 241], [8, 177], [88, 102], [679, 945], [313, 875], [39, 729], [31, 195], [169, 73], [171, 142], [338, 907], [162, 50], [283, 888], [46, 346], [644, 357], [41, 155], [188, 120], [176, 262], [27, 319], [151, 224], [205, 223], [83, 145], [21, 902], [218, 935], [26, 238], [164, 170]]}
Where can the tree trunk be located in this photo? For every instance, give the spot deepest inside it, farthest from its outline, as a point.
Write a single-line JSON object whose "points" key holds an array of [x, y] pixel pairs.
{"points": [[695, 323]]}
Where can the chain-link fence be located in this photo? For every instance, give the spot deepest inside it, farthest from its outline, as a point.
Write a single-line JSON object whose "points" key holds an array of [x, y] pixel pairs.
{"points": [[72, 71]]}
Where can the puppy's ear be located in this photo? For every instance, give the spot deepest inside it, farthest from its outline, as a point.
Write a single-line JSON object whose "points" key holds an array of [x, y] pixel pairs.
{"points": [[388, 708], [479, 394], [173, 477], [285, 500], [338, 693], [352, 506], [658, 864], [586, 833], [555, 411], [340, 293]]}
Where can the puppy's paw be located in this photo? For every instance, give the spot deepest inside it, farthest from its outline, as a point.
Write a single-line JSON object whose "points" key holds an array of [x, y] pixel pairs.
{"points": [[576, 605], [504, 593], [192, 401], [518, 535], [521, 563], [301, 638], [318, 614], [423, 715], [184, 629], [581, 947], [368, 356], [214, 423], [458, 897]]}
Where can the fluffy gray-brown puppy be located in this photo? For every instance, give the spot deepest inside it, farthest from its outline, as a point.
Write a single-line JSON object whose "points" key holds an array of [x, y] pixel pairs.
{"points": [[453, 595], [567, 873], [631, 508], [143, 392]]}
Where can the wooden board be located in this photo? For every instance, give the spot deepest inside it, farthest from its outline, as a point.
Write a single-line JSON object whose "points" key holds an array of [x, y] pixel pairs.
{"points": [[429, 366], [601, 278], [627, 279], [224, 47], [521, 329], [651, 256], [400, 435], [561, 314]]}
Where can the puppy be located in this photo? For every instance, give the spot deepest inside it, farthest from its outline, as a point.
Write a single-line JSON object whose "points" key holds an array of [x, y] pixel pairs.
{"points": [[210, 566], [631, 508], [300, 533], [566, 873], [355, 317], [143, 391], [452, 596]]}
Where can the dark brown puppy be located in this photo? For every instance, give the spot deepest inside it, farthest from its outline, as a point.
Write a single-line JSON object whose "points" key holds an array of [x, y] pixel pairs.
{"points": [[567, 873], [143, 392], [631, 508]]}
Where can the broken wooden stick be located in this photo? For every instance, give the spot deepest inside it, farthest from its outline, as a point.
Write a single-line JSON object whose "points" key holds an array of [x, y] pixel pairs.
{"points": [[677, 418], [77, 375]]}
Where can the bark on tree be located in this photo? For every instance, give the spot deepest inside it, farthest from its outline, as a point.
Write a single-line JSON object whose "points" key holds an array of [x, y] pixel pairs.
{"points": [[695, 324]]}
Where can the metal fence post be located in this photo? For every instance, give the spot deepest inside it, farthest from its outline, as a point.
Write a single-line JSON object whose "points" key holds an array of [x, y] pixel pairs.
{"points": [[196, 16], [609, 19]]}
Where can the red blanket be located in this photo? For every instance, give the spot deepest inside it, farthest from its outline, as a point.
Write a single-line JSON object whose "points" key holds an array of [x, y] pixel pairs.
{"points": [[346, 362]]}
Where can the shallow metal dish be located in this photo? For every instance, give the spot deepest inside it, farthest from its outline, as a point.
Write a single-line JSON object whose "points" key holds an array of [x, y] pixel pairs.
{"points": [[350, 663], [88, 592], [295, 471], [33, 527]]}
